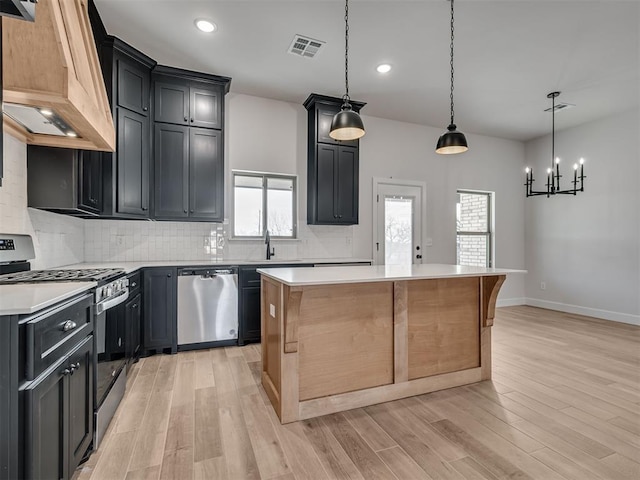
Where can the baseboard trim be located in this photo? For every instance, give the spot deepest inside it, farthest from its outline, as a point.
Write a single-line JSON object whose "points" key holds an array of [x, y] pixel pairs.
{"points": [[589, 312], [511, 302]]}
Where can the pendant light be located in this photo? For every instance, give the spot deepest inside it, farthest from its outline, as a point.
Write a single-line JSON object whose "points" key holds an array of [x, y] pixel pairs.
{"points": [[346, 124], [452, 141]]}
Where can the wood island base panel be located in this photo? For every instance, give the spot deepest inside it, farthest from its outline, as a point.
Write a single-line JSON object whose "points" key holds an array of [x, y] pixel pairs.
{"points": [[328, 348]]}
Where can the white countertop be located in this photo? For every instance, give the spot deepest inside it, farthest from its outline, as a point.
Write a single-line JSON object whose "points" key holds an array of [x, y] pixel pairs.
{"points": [[27, 298], [376, 273], [133, 266]]}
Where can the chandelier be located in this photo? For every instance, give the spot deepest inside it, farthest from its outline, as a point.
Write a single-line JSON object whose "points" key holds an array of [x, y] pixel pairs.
{"points": [[553, 172]]}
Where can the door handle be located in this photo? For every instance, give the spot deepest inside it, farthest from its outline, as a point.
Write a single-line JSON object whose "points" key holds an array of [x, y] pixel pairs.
{"points": [[418, 256]]}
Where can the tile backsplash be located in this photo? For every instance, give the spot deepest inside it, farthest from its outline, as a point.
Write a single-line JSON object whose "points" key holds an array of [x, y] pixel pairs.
{"points": [[132, 240]]}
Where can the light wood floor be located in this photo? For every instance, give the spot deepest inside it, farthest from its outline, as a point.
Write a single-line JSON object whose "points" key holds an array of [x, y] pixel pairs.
{"points": [[564, 403]]}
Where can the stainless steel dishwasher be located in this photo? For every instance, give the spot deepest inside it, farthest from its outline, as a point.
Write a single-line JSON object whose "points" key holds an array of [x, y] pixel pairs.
{"points": [[207, 307]]}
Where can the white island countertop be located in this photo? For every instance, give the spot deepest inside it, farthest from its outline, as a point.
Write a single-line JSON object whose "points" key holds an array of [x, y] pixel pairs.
{"points": [[376, 273], [25, 298]]}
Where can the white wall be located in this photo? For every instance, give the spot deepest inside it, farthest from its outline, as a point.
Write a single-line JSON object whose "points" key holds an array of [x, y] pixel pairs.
{"points": [[58, 239], [587, 248], [269, 135]]}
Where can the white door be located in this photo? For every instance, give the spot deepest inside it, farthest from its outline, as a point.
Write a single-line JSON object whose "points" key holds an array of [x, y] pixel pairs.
{"points": [[398, 222]]}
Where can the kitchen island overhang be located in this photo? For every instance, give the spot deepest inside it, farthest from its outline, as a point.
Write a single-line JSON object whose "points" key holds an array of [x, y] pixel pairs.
{"points": [[339, 338]]}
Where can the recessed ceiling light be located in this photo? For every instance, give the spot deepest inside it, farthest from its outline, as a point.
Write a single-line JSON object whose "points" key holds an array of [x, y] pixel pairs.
{"points": [[205, 25], [383, 68]]}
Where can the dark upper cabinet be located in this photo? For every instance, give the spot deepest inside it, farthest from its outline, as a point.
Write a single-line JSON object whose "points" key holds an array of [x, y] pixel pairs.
{"points": [[206, 107], [206, 175], [133, 85], [59, 407], [333, 182], [189, 98], [133, 163], [188, 145], [171, 102], [64, 180], [126, 172], [159, 324], [189, 173], [171, 198], [332, 166], [90, 197]]}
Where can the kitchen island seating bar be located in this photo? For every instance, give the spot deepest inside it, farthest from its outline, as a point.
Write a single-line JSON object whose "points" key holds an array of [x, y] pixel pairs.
{"points": [[339, 338]]}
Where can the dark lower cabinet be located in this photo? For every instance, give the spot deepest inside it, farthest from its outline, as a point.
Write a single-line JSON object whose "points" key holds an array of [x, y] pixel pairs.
{"points": [[59, 423], [159, 320], [133, 321], [250, 313]]}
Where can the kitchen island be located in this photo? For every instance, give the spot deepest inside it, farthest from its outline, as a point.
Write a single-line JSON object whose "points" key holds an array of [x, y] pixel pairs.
{"points": [[339, 338]]}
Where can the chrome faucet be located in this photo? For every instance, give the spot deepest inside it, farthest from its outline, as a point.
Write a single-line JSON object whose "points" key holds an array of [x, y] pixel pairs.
{"points": [[267, 240]]}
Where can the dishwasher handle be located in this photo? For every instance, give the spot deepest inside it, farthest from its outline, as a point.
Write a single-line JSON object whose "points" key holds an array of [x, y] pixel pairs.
{"points": [[207, 273]]}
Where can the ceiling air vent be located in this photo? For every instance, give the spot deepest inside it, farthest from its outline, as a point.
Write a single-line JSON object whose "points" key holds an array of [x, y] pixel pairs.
{"points": [[305, 46], [560, 106]]}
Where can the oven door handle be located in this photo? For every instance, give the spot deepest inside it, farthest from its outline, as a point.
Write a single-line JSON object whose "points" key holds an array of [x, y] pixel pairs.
{"points": [[104, 306]]}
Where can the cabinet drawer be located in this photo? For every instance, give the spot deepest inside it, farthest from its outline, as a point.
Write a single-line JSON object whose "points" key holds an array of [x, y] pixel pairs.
{"points": [[249, 276], [52, 334], [134, 283]]}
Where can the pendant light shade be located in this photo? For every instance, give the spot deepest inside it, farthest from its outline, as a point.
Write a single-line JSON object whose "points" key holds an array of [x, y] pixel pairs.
{"points": [[346, 124], [452, 141]]}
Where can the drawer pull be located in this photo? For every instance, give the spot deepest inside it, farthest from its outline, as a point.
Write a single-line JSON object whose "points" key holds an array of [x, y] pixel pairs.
{"points": [[69, 325], [134, 284], [67, 371]]}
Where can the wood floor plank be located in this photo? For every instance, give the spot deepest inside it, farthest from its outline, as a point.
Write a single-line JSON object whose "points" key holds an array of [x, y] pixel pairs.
{"points": [[266, 444], [422, 454], [211, 468], [472, 470], [496, 464], [114, 461], [564, 404], [402, 465], [334, 459], [207, 441], [299, 452], [564, 466], [204, 370], [369, 430], [177, 464], [149, 473], [364, 458]]}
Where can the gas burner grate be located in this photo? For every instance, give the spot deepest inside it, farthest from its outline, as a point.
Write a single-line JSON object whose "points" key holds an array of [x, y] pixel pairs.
{"points": [[77, 275]]}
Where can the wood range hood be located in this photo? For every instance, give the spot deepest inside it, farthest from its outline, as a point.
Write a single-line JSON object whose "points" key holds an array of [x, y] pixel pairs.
{"points": [[52, 66]]}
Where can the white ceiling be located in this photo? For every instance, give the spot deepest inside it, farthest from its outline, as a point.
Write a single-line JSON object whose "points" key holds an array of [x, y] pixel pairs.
{"points": [[508, 55]]}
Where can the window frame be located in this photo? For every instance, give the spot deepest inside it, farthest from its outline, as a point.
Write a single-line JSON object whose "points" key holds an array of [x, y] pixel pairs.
{"points": [[265, 176], [489, 233]]}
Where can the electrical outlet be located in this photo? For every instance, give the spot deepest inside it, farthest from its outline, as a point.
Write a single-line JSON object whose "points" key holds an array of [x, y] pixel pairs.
{"points": [[543, 286]]}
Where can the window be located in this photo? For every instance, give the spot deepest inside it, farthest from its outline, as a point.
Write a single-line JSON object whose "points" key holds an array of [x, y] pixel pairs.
{"points": [[264, 201], [474, 226]]}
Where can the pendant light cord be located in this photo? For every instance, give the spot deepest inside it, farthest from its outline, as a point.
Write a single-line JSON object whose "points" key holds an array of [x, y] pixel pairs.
{"points": [[451, 46], [346, 97]]}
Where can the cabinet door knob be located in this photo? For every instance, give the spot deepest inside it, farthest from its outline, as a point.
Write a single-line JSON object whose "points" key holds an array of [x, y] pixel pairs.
{"points": [[169, 275], [185, 211], [339, 216], [144, 109], [192, 211], [144, 209], [66, 371], [418, 256], [134, 284], [185, 119], [192, 120]]}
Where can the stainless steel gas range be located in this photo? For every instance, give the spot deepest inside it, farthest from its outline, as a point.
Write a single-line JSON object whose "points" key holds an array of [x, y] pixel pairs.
{"points": [[112, 290]]}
